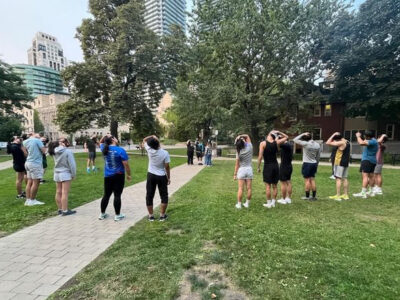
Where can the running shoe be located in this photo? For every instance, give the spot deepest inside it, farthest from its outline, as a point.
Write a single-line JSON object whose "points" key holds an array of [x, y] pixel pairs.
{"points": [[345, 197], [332, 177], [238, 205], [36, 202], [361, 195], [151, 218], [378, 191], [305, 198], [88, 170], [68, 212], [163, 218], [119, 217], [336, 197], [103, 216], [23, 194], [246, 204], [59, 211], [282, 201], [20, 197], [313, 199], [288, 201], [27, 202]]}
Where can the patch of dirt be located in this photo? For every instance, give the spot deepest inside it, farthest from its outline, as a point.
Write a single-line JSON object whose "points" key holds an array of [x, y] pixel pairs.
{"points": [[376, 218], [175, 232]]}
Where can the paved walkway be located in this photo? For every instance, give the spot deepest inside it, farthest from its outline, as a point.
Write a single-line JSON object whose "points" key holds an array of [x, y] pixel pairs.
{"points": [[39, 259], [6, 164]]}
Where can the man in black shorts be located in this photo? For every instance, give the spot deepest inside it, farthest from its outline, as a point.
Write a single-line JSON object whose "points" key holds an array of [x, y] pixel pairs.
{"points": [[15, 149], [199, 152], [268, 151], [285, 173], [90, 147]]}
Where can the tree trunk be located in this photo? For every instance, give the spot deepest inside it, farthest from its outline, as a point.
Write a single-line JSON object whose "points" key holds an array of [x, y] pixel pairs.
{"points": [[255, 137], [114, 128]]}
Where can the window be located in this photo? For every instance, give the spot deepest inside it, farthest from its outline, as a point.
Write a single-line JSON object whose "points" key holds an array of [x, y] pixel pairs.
{"points": [[51, 64], [41, 47], [60, 53], [390, 131], [58, 67], [328, 110], [44, 55], [62, 60], [316, 134], [317, 110]]}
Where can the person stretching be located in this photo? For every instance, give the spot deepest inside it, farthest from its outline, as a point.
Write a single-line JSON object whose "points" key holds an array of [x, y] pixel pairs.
{"points": [[64, 173], [15, 148], [115, 166], [368, 163], [311, 154], [268, 151], [158, 176], [379, 165], [243, 168], [189, 152], [285, 173], [340, 165], [90, 148]]}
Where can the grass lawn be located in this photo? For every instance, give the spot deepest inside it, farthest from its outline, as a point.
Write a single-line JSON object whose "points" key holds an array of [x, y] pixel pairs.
{"points": [[307, 250], [5, 157], [87, 187]]}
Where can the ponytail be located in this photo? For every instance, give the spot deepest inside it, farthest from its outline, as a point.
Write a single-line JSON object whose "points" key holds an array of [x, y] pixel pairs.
{"points": [[9, 148], [107, 143], [52, 147], [239, 145]]}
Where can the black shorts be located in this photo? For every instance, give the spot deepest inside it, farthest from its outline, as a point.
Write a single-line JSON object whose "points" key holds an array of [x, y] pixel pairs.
{"points": [[19, 168], [309, 170], [271, 173], [198, 154], [367, 167], [285, 172], [92, 155]]}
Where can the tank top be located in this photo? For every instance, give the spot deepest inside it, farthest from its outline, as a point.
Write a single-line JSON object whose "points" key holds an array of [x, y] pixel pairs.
{"points": [[270, 151], [342, 157]]}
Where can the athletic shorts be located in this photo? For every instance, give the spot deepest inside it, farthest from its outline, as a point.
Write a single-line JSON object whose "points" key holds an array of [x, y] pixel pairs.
{"points": [[34, 171], [285, 172], [245, 173], [378, 169], [367, 167], [309, 170], [61, 177], [92, 155], [271, 173], [198, 154], [19, 168], [340, 172]]}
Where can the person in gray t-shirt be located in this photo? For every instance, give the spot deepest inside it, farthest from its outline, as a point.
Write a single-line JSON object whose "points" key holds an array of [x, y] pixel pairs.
{"points": [[311, 154], [243, 168]]}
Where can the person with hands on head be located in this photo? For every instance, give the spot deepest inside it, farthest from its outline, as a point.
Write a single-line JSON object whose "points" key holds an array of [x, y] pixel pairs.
{"points": [[340, 165], [15, 149], [285, 172], [243, 168], [158, 175], [64, 173], [116, 164], [268, 151], [379, 165], [311, 155], [368, 163]]}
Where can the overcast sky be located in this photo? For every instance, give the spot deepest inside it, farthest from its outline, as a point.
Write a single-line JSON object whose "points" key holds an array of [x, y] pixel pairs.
{"points": [[21, 19]]}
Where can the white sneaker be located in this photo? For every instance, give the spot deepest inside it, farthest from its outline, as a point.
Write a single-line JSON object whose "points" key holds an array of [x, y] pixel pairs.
{"points": [[36, 202], [268, 204], [332, 177], [238, 205], [272, 203], [28, 202], [246, 204], [288, 200], [361, 195], [282, 201], [378, 191]]}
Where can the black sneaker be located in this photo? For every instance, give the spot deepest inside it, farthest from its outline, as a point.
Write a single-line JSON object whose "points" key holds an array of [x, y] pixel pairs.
{"points": [[20, 196], [163, 218], [59, 211], [68, 212], [313, 199], [150, 218]]}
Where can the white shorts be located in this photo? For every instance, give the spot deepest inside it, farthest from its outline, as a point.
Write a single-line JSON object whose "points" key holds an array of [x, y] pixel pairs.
{"points": [[34, 171], [245, 173], [61, 177], [340, 172], [378, 169]]}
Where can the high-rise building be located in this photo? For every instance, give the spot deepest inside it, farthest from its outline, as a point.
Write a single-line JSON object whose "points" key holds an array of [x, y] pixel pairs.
{"points": [[161, 14], [40, 80], [46, 51]]}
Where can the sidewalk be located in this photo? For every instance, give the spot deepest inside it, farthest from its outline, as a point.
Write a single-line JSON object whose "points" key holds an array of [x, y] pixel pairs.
{"points": [[39, 259]]}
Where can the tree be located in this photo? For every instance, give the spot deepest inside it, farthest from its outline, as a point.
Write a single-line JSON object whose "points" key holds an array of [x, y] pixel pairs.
{"points": [[248, 61], [122, 75], [363, 52], [9, 127], [37, 123]]}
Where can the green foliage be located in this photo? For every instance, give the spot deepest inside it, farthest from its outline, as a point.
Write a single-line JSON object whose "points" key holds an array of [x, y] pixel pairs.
{"points": [[9, 126], [13, 92], [37, 123], [363, 52]]}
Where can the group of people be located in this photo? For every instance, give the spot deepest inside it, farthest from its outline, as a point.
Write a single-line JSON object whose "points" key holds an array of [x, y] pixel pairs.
{"points": [[371, 166], [201, 152], [28, 164]]}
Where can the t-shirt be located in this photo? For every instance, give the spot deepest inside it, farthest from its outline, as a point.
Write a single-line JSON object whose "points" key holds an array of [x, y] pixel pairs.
{"points": [[35, 154], [379, 154], [157, 160], [245, 156], [311, 150], [369, 152], [113, 160], [286, 154], [18, 155], [91, 146]]}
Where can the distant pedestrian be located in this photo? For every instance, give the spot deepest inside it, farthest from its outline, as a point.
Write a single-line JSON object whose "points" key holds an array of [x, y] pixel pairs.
{"points": [[35, 150], [90, 147], [19, 159], [285, 172], [45, 141], [64, 173], [268, 151], [115, 166], [368, 163], [208, 155], [158, 176], [243, 168], [311, 155], [379, 165], [189, 152], [199, 151], [341, 165]]}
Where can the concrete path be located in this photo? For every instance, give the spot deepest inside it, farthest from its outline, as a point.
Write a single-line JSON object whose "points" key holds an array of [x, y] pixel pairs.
{"points": [[39, 259], [6, 164]]}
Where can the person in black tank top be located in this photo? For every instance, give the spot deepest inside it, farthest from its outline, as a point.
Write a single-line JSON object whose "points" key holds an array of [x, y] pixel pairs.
{"points": [[15, 149], [285, 173], [268, 151]]}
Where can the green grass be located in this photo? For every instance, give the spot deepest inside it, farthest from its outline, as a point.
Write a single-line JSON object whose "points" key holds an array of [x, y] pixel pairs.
{"points": [[307, 250], [85, 188], [5, 157]]}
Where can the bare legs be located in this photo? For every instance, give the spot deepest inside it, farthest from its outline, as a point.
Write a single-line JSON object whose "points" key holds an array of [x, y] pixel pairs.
{"points": [[339, 182], [32, 187], [310, 186], [20, 176], [62, 191], [367, 179], [241, 183], [286, 189]]}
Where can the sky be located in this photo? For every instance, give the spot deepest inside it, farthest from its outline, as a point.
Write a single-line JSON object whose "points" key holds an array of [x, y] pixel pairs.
{"points": [[21, 19]]}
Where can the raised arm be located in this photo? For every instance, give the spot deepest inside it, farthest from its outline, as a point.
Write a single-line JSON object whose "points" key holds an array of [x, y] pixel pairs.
{"points": [[381, 138], [283, 139], [360, 141], [331, 142], [298, 140], [260, 155]]}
